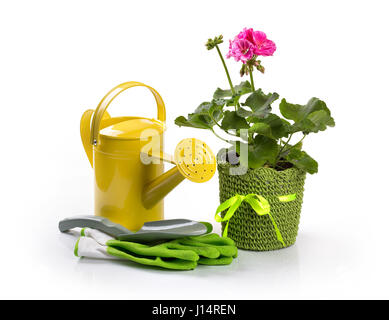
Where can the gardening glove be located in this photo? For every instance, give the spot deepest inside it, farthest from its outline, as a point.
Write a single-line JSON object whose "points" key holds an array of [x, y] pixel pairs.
{"points": [[211, 248], [96, 244], [180, 254]]}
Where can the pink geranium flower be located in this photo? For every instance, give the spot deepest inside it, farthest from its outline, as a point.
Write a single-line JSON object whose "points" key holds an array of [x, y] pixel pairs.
{"points": [[260, 45], [241, 50]]}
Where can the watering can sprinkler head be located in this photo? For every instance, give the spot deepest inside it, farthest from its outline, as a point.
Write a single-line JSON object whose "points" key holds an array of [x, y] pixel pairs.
{"points": [[193, 160]]}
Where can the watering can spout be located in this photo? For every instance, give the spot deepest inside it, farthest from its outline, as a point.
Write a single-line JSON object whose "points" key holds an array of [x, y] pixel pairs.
{"points": [[193, 160], [157, 189]]}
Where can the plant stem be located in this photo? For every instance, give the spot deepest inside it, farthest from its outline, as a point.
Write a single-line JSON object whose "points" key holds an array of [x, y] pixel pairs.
{"points": [[286, 143], [283, 147], [225, 68], [215, 121], [219, 136], [251, 80], [296, 143]]}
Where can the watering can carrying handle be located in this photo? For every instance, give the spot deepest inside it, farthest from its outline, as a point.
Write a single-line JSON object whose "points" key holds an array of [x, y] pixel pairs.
{"points": [[105, 102]]}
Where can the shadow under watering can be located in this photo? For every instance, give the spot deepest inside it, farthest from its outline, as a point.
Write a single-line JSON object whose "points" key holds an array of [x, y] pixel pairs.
{"points": [[127, 156]]}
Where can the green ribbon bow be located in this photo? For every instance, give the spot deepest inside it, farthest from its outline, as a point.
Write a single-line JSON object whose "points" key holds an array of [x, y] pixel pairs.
{"points": [[259, 204]]}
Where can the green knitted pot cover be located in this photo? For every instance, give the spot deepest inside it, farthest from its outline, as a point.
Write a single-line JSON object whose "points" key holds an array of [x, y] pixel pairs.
{"points": [[248, 229]]}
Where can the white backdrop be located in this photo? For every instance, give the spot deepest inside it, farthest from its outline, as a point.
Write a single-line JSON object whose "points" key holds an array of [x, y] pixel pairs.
{"points": [[58, 58]]}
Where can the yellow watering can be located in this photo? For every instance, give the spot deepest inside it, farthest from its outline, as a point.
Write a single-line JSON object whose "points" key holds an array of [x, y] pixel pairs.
{"points": [[127, 156]]}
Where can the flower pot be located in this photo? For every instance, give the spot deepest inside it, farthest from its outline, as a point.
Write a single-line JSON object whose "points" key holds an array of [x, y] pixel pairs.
{"points": [[248, 229]]}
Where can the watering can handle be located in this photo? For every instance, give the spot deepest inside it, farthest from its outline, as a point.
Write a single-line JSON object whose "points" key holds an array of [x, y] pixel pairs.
{"points": [[104, 103]]}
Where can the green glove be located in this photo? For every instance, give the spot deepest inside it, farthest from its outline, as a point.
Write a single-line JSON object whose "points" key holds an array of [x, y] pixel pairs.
{"points": [[180, 254], [211, 248], [153, 255]]}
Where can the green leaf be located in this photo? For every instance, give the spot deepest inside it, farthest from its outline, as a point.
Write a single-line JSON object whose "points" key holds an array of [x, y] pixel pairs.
{"points": [[233, 101], [260, 103], [278, 127], [220, 93], [261, 128], [204, 115], [241, 89], [261, 151], [312, 117], [232, 120], [219, 102], [203, 108], [302, 160], [181, 121], [319, 120], [243, 112], [210, 110], [288, 147], [193, 121], [298, 112]]}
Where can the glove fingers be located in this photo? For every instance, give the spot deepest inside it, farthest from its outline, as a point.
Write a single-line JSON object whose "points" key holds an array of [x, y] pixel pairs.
{"points": [[204, 251], [214, 239], [225, 246], [228, 251], [222, 260], [174, 264], [154, 251]]}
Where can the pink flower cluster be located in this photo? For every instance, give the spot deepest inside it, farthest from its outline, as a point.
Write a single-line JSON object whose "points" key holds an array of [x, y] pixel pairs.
{"points": [[249, 43]]}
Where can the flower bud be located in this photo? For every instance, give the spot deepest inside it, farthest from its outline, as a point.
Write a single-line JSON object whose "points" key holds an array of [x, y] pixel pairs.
{"points": [[212, 43], [261, 68], [243, 71]]}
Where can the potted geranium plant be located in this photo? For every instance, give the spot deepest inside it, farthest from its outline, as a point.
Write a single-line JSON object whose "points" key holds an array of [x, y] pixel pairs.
{"points": [[261, 159]]}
